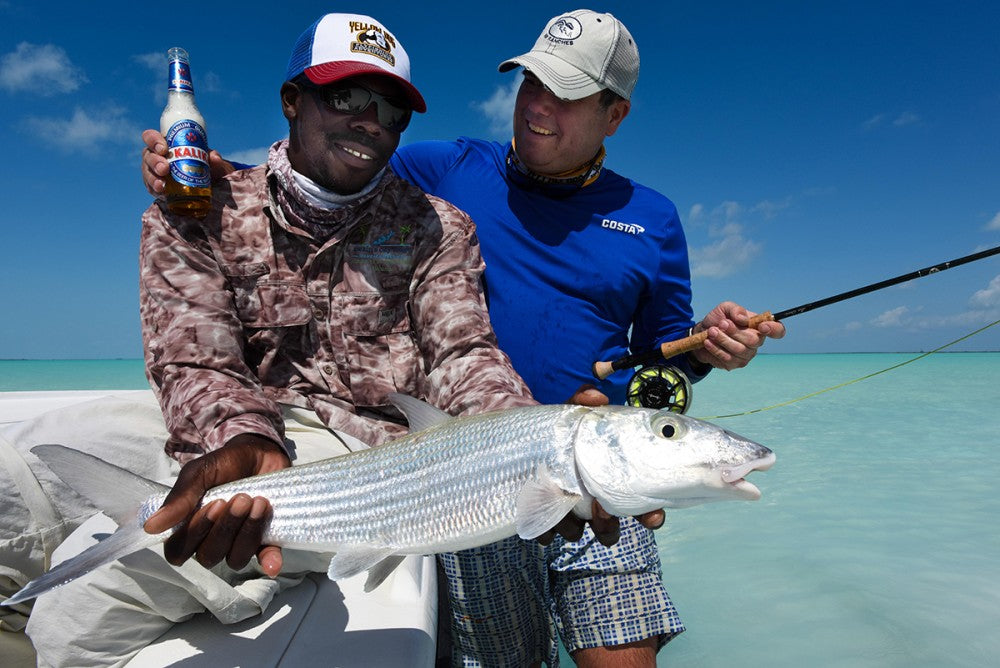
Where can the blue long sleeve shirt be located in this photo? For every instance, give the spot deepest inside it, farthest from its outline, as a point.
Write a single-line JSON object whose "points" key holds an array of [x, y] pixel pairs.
{"points": [[572, 276]]}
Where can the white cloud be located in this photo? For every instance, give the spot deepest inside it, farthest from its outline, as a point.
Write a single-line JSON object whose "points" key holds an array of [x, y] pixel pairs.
{"points": [[44, 69], [984, 308], [896, 317], [249, 156], [898, 121], [210, 83], [85, 130], [499, 109], [724, 257], [873, 122], [988, 297], [995, 223], [906, 118], [154, 61], [729, 211], [971, 318], [729, 249], [770, 209]]}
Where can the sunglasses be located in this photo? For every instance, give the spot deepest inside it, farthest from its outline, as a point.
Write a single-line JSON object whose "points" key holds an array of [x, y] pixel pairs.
{"points": [[354, 99]]}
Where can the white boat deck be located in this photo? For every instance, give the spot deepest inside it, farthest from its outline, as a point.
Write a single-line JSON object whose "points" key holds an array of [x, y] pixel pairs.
{"points": [[318, 622]]}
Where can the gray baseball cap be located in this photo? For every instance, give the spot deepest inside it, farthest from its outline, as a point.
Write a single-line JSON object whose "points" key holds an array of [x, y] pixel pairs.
{"points": [[580, 53]]}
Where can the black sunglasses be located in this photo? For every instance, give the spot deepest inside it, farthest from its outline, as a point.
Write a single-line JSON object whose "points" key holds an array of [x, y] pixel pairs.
{"points": [[353, 99]]}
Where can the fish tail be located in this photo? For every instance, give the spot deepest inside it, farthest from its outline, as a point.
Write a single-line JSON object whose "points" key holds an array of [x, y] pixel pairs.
{"points": [[116, 491], [119, 544]]}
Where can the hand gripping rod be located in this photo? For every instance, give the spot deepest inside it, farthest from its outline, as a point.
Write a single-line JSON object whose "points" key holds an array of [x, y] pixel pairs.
{"points": [[669, 349]]}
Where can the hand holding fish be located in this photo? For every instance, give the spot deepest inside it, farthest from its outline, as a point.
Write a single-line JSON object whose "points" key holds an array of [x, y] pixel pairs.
{"points": [[222, 529], [731, 342], [606, 527]]}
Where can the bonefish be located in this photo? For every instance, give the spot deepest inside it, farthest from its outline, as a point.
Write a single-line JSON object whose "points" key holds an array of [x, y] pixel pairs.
{"points": [[451, 484]]}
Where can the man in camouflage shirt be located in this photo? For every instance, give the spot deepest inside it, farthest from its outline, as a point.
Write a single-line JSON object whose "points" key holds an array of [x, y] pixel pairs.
{"points": [[316, 285], [320, 281]]}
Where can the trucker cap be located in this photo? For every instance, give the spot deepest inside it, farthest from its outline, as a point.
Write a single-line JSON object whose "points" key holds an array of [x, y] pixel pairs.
{"points": [[338, 46], [580, 53]]}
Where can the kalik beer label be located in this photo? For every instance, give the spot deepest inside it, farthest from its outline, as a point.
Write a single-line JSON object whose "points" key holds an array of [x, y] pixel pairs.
{"points": [[180, 77], [187, 151]]}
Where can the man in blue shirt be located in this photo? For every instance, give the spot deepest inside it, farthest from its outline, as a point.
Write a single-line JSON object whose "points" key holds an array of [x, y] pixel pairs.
{"points": [[582, 264]]}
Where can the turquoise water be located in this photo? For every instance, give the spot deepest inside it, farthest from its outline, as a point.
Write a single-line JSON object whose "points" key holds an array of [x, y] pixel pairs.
{"points": [[877, 540], [22, 375]]}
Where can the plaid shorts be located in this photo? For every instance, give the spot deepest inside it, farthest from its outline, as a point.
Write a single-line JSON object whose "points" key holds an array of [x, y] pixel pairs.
{"points": [[511, 600]]}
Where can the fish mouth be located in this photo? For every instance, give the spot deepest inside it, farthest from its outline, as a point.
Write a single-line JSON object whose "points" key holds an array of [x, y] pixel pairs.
{"points": [[734, 475]]}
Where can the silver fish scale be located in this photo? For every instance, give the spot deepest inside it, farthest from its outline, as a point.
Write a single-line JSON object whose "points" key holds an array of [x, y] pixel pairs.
{"points": [[456, 485], [439, 487]]}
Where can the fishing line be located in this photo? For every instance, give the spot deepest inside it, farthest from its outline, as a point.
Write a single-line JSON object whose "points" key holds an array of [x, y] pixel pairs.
{"points": [[856, 380]]}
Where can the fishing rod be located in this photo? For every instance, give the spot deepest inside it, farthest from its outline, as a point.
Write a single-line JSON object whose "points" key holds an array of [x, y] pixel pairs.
{"points": [[602, 370]]}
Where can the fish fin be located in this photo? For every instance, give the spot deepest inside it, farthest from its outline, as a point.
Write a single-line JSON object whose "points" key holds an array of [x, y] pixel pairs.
{"points": [[419, 414], [116, 491], [541, 504], [380, 571], [355, 560], [121, 543]]}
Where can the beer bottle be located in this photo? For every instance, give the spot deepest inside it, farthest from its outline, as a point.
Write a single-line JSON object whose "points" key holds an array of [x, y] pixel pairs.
{"points": [[189, 184]]}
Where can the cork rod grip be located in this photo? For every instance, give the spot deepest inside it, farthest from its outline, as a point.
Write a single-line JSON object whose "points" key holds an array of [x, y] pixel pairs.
{"points": [[695, 341], [602, 370]]}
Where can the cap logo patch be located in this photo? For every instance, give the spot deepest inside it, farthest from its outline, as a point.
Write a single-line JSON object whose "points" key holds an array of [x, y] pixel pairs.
{"points": [[371, 39], [564, 30]]}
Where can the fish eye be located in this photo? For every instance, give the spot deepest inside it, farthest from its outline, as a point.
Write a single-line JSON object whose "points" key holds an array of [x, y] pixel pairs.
{"points": [[669, 427]]}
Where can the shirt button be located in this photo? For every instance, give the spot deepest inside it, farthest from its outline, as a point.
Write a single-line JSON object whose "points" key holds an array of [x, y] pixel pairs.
{"points": [[327, 369], [318, 313]]}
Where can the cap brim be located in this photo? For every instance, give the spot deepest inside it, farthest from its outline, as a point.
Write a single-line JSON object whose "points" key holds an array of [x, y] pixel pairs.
{"points": [[343, 69], [564, 80]]}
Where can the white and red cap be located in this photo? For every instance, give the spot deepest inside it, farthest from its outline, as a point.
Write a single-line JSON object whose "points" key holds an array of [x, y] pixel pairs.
{"points": [[338, 46]]}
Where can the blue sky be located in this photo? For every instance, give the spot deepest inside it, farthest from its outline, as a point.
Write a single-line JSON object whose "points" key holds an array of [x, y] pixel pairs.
{"points": [[810, 147]]}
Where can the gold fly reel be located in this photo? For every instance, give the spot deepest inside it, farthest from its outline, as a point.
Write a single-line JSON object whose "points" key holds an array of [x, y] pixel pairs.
{"points": [[659, 386]]}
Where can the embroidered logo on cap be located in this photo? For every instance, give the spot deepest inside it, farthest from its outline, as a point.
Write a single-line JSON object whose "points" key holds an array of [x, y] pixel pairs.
{"points": [[564, 30], [372, 39]]}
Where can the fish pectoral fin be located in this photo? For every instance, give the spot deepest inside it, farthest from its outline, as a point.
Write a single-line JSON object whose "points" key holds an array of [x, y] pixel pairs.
{"points": [[541, 504], [352, 561], [380, 571]]}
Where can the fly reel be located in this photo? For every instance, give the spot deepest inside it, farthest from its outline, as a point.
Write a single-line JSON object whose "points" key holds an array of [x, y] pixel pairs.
{"points": [[659, 386]]}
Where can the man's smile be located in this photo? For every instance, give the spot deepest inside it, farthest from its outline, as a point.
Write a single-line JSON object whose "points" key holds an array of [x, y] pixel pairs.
{"points": [[355, 152], [539, 130]]}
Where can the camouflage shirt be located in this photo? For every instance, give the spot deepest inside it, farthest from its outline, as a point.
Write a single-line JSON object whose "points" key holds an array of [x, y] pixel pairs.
{"points": [[270, 300]]}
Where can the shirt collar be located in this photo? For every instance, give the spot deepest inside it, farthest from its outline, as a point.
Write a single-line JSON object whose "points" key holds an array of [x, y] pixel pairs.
{"points": [[568, 181]]}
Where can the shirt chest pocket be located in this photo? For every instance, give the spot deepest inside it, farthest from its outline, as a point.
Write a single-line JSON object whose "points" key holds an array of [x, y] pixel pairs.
{"points": [[379, 345], [263, 303]]}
